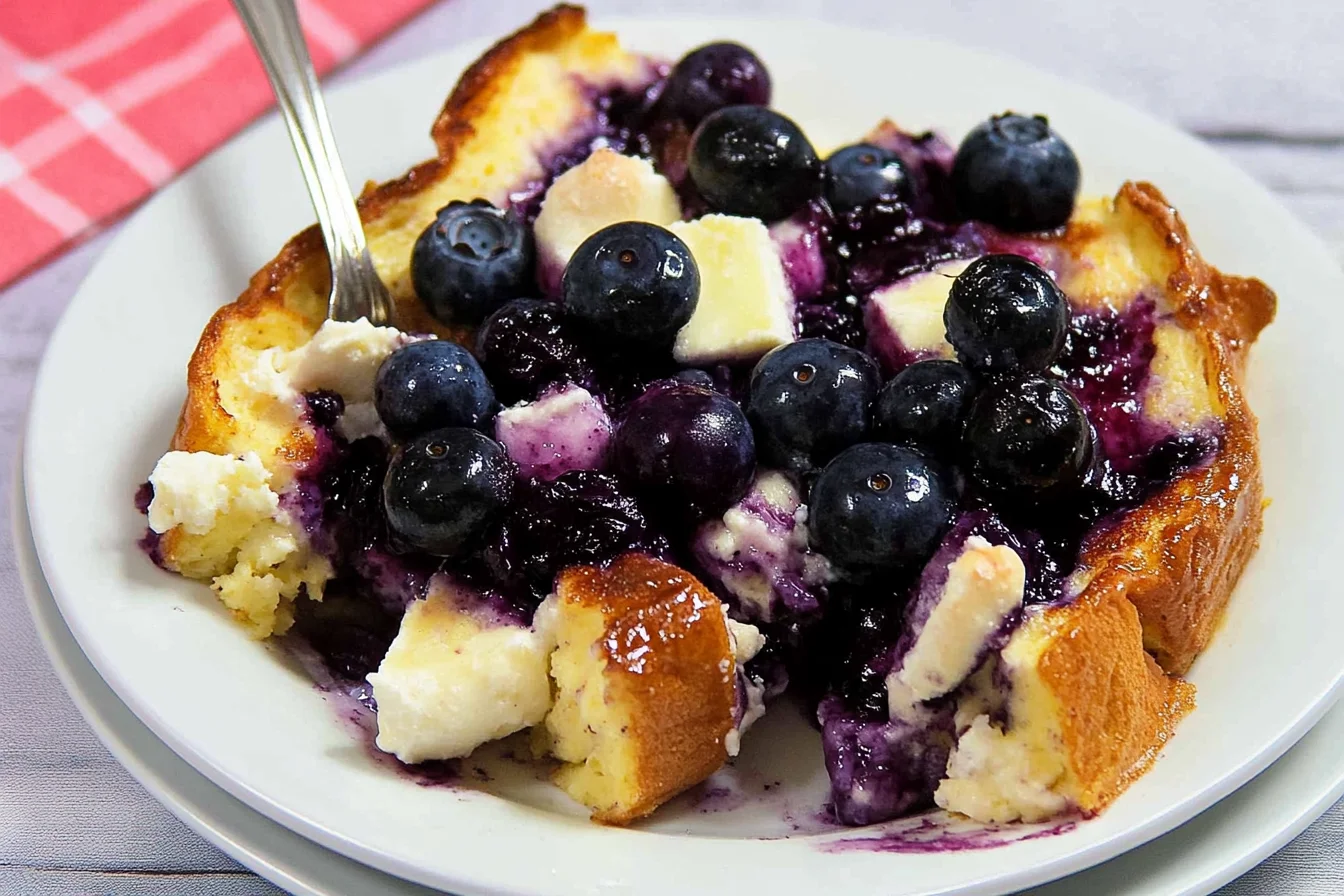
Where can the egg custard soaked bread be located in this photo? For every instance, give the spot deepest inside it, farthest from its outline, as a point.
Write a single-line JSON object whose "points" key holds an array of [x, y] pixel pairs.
{"points": [[606, 568]]}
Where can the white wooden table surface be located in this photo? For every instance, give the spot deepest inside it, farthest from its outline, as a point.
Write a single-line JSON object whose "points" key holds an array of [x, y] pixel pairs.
{"points": [[1262, 80]]}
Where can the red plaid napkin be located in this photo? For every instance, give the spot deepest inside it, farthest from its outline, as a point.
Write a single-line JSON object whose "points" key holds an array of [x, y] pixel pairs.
{"points": [[102, 101]]}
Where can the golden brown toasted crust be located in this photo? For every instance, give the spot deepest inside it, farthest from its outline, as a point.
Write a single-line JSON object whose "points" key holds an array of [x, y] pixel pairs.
{"points": [[667, 656], [1118, 708], [1157, 582], [1178, 556]]}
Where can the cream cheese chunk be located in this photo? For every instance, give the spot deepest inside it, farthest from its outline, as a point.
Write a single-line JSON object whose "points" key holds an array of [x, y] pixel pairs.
{"points": [[452, 681], [194, 489], [746, 641], [606, 188], [984, 584], [745, 307], [343, 356], [912, 309]]}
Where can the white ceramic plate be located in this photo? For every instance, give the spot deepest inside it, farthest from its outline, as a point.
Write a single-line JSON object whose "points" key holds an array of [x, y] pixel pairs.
{"points": [[1192, 860], [109, 389]]}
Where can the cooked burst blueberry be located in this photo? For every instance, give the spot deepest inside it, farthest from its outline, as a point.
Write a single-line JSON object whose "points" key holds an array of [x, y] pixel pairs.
{"points": [[753, 162], [350, 631], [471, 260], [712, 77], [810, 400], [445, 489], [879, 507], [925, 405], [1016, 173], [431, 385], [633, 283], [1027, 436], [858, 174], [688, 449], [581, 517], [1005, 313], [528, 345]]}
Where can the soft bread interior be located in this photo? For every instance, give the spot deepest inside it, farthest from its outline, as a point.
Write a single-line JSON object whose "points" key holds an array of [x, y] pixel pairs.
{"points": [[644, 681]]}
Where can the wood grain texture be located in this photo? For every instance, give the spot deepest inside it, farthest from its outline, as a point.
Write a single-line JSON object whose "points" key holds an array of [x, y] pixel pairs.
{"points": [[1260, 81]]}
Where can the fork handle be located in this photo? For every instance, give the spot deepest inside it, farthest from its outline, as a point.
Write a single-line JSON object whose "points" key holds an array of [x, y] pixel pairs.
{"points": [[356, 290]]}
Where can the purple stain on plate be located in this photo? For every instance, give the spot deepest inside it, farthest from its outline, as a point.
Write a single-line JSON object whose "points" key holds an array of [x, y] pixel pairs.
{"points": [[144, 496], [942, 833]]}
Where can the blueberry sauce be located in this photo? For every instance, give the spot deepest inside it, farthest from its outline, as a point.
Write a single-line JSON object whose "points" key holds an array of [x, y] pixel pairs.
{"points": [[1105, 361]]}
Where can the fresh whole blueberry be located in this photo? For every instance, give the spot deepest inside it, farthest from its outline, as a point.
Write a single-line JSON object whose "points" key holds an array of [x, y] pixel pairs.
{"points": [[635, 284], [856, 175], [879, 507], [528, 345], [470, 260], [712, 77], [687, 449], [924, 405], [810, 400], [445, 489], [1005, 313], [431, 385], [1027, 436], [754, 162], [1016, 173]]}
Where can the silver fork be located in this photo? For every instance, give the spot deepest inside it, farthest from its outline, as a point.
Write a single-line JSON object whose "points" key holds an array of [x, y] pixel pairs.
{"points": [[356, 290]]}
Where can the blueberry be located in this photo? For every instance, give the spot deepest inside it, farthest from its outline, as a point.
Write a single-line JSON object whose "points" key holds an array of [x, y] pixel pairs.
{"points": [[810, 400], [754, 162], [325, 406], [635, 284], [581, 517], [471, 260], [689, 450], [879, 507], [924, 405], [528, 345], [351, 632], [1016, 173], [695, 377], [1005, 313], [856, 175], [711, 77], [1027, 436], [837, 319], [445, 489], [431, 385]]}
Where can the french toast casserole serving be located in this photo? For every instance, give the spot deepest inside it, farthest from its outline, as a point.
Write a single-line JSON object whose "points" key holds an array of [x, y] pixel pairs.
{"points": [[679, 417]]}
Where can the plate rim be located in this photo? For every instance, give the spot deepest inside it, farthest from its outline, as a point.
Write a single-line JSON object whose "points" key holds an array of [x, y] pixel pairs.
{"points": [[1169, 817]]}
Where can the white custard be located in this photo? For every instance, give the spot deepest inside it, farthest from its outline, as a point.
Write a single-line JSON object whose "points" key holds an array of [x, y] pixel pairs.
{"points": [[451, 682]]}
